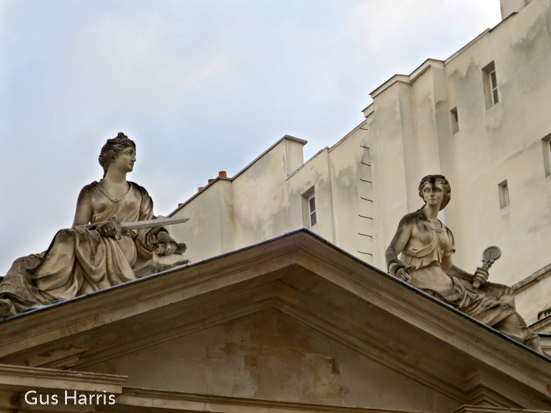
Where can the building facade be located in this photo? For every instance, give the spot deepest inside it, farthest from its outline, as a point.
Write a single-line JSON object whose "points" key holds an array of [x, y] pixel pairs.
{"points": [[292, 324], [482, 118], [271, 317]]}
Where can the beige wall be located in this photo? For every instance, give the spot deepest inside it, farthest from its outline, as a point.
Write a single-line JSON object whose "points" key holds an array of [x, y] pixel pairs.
{"points": [[510, 6], [367, 181], [410, 132], [266, 200], [211, 226]]}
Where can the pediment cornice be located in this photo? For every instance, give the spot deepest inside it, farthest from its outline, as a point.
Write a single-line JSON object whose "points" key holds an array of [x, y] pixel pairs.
{"points": [[310, 281]]}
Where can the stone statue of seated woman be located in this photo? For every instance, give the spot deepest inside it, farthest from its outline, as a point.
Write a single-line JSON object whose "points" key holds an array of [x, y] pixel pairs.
{"points": [[81, 260], [426, 247]]}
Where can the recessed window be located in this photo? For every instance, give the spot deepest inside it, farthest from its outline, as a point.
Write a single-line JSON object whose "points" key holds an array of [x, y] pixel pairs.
{"points": [[546, 145], [491, 92], [312, 210], [454, 120], [493, 84], [503, 194], [309, 208]]}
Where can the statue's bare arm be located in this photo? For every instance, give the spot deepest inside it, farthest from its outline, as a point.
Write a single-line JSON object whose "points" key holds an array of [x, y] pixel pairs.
{"points": [[83, 213], [481, 275], [397, 245], [83, 216], [454, 271]]}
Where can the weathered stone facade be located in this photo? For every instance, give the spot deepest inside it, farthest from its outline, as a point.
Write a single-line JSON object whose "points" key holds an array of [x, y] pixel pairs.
{"points": [[291, 324], [482, 118], [274, 318]]}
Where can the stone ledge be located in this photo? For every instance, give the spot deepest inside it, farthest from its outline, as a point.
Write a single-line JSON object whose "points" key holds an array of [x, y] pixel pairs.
{"points": [[157, 400], [535, 277], [38, 377]]}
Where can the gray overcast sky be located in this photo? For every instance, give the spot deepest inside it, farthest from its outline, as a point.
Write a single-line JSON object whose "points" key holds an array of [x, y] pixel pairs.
{"points": [[201, 86]]}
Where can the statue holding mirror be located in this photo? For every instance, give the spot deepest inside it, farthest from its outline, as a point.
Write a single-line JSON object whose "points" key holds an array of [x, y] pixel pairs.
{"points": [[426, 247]]}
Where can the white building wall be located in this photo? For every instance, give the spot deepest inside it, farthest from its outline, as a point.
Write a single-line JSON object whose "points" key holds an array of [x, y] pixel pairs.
{"points": [[366, 182], [267, 199], [412, 137]]}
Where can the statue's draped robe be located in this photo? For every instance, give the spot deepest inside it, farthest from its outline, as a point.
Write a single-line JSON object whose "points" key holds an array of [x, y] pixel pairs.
{"points": [[80, 261], [491, 304]]}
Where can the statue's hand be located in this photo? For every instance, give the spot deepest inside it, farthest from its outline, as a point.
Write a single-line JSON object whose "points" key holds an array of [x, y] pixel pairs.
{"points": [[110, 228], [165, 245], [480, 277], [403, 275]]}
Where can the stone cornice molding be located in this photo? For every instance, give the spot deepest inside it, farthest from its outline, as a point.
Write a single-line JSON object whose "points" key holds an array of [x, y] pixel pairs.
{"points": [[261, 277], [36, 377], [192, 402]]}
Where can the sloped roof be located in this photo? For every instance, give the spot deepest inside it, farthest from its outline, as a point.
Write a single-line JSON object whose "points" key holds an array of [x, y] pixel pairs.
{"points": [[308, 279]]}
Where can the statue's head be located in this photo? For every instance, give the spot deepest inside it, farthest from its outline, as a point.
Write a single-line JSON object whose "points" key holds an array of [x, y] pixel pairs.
{"points": [[433, 180], [112, 148]]}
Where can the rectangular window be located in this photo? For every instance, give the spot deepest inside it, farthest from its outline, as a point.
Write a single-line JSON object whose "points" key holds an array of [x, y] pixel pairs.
{"points": [[493, 85], [546, 145], [491, 92], [309, 208], [503, 194], [454, 120], [312, 210]]}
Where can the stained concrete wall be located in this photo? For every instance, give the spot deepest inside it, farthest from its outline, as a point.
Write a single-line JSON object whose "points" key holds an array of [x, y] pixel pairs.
{"points": [[367, 181], [510, 6], [268, 199], [411, 134], [210, 231], [352, 194], [271, 357]]}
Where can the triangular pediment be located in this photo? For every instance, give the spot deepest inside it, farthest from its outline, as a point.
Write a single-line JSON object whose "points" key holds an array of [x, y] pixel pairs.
{"points": [[294, 307], [270, 355]]}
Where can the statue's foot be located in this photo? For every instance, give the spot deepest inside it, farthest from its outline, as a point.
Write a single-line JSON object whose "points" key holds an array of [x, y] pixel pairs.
{"points": [[7, 308]]}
